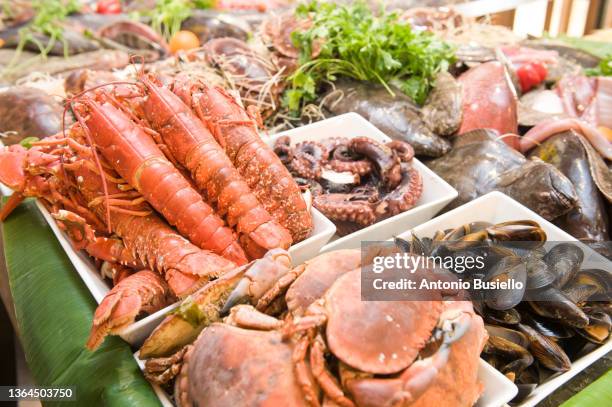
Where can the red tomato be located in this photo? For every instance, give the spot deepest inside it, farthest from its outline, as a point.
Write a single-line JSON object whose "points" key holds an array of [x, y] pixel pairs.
{"points": [[108, 7], [541, 68], [531, 75]]}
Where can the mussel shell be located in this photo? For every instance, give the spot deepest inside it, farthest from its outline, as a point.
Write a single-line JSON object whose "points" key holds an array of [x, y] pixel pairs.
{"points": [[564, 261], [507, 269], [467, 229], [546, 350], [526, 381], [576, 346], [507, 317], [509, 334], [579, 292], [602, 279], [598, 329], [538, 275], [548, 327], [552, 303], [517, 231]]}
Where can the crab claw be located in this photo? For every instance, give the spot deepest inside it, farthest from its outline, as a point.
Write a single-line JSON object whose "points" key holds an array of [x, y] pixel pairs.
{"points": [[206, 305], [142, 292], [12, 161], [261, 276]]}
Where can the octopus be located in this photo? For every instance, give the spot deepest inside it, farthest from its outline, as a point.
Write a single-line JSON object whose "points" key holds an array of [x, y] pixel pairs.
{"points": [[355, 182]]}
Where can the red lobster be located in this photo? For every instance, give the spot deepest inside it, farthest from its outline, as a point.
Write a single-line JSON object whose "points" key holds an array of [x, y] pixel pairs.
{"points": [[67, 182], [191, 144], [262, 170], [135, 156]]}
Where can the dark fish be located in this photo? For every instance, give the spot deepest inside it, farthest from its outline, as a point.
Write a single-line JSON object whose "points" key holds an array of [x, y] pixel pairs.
{"points": [[479, 163], [397, 116], [74, 42], [573, 156]]}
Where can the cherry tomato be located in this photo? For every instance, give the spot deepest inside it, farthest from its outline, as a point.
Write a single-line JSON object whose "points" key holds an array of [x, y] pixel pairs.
{"points": [[531, 75], [183, 40], [541, 68], [108, 7]]}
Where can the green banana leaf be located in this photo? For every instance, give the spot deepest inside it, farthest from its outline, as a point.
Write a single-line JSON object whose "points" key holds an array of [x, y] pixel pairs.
{"points": [[54, 311], [596, 394]]}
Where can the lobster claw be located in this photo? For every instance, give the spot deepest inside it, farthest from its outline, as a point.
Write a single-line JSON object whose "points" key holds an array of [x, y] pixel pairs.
{"points": [[142, 292]]}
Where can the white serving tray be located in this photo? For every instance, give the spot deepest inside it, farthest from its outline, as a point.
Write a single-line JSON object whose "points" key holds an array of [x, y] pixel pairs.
{"points": [[136, 333], [436, 192], [497, 207]]}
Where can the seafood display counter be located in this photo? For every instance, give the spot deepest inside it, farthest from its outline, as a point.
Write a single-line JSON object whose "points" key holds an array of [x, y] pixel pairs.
{"points": [[306, 203]]}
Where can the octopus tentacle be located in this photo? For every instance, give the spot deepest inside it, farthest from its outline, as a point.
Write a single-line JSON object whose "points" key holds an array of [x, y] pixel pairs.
{"points": [[404, 151], [385, 159], [344, 160], [407, 193], [344, 207], [282, 148], [308, 159]]}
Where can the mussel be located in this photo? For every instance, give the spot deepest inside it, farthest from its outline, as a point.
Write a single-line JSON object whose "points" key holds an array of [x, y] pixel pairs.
{"points": [[564, 261], [599, 327], [507, 269], [545, 350], [552, 303]]}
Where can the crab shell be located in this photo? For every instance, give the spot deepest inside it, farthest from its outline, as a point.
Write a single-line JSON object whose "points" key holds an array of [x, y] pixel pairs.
{"points": [[231, 366], [457, 383], [380, 337], [318, 275]]}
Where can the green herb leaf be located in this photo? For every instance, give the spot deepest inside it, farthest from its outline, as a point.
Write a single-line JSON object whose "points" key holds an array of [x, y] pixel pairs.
{"points": [[355, 43], [603, 69], [27, 142]]}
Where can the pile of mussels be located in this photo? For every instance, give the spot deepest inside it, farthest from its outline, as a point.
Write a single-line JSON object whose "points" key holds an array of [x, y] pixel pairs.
{"points": [[561, 312]]}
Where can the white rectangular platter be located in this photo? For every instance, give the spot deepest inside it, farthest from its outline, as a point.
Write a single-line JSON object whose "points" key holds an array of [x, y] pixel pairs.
{"points": [[497, 207], [436, 192]]}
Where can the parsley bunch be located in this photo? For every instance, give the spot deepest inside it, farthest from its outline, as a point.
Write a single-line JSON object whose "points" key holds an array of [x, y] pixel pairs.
{"points": [[168, 15], [356, 43]]}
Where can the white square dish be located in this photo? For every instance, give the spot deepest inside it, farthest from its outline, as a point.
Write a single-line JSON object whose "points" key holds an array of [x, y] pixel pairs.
{"points": [[436, 192], [137, 332], [497, 207]]}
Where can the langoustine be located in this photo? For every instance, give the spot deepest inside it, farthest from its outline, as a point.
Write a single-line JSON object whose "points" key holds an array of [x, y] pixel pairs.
{"points": [[136, 157], [66, 182], [261, 169], [193, 146]]}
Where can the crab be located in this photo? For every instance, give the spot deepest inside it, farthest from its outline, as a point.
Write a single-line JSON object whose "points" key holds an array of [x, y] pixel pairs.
{"points": [[339, 350], [163, 349], [389, 353]]}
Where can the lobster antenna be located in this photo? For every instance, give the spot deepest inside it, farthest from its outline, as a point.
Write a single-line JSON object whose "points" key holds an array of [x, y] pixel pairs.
{"points": [[134, 59], [98, 164], [91, 143]]}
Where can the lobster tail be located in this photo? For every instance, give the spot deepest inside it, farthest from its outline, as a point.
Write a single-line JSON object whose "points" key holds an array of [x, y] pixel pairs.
{"points": [[142, 292]]}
